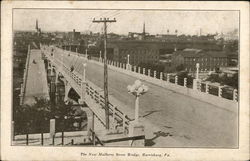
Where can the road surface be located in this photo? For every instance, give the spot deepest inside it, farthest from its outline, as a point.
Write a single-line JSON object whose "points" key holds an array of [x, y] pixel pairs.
{"points": [[191, 122]]}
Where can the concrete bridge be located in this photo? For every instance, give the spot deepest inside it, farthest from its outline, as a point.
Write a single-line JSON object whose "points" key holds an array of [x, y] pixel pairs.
{"points": [[174, 115]]}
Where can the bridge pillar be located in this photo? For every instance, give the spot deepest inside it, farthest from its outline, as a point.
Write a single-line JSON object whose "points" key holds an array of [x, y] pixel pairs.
{"points": [[83, 91], [67, 88]]}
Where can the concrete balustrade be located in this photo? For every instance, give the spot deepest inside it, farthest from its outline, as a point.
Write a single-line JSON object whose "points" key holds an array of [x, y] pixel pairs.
{"points": [[176, 80], [185, 82], [139, 70]]}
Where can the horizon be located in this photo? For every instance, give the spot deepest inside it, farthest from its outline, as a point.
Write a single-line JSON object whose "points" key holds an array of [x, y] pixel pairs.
{"points": [[156, 22]]}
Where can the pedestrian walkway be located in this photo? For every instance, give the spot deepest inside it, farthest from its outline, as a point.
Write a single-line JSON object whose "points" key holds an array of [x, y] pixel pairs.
{"points": [[36, 83]]}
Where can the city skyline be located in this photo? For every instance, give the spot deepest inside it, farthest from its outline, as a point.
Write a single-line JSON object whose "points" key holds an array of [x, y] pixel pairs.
{"points": [[186, 22]]}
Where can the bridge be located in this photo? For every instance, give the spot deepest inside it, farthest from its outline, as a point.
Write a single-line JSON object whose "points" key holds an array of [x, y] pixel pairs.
{"points": [[173, 115]]}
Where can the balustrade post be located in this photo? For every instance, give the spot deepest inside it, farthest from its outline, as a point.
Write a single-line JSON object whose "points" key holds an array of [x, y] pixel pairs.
{"points": [[143, 71], [154, 74], [219, 91], [149, 72], [168, 77], [207, 88], [134, 68], [235, 94], [176, 79], [161, 76], [120, 65], [185, 82], [139, 70]]}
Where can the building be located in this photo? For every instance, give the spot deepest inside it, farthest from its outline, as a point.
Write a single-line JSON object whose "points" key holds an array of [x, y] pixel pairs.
{"points": [[208, 60], [138, 50], [73, 36]]}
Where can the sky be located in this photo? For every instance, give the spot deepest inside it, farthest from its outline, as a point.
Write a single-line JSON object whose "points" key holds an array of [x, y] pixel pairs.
{"points": [[156, 21]]}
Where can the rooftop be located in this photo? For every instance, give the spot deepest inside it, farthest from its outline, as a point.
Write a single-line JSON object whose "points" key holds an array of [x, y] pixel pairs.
{"points": [[200, 53]]}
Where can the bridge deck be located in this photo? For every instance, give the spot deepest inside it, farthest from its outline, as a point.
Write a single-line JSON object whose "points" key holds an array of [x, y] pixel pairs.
{"points": [[36, 85], [168, 114]]}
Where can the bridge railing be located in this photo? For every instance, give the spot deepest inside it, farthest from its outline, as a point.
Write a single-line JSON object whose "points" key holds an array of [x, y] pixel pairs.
{"points": [[117, 117], [158, 78]]}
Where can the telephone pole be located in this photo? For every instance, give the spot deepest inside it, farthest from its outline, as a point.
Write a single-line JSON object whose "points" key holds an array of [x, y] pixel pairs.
{"points": [[105, 21]]}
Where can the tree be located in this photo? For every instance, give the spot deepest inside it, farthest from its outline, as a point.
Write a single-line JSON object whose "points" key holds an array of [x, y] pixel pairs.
{"points": [[180, 68], [32, 118]]}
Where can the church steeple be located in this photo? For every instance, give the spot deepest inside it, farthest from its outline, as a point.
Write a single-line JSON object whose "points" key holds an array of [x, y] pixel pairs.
{"points": [[36, 24], [144, 31]]}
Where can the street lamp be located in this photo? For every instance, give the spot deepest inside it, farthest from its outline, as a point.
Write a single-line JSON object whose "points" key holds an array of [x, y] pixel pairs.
{"points": [[137, 89]]}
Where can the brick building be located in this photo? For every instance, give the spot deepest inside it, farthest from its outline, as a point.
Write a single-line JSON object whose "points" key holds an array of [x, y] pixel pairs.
{"points": [[139, 51], [208, 60]]}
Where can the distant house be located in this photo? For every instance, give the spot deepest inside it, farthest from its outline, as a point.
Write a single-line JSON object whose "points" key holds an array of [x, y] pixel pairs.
{"points": [[208, 60]]}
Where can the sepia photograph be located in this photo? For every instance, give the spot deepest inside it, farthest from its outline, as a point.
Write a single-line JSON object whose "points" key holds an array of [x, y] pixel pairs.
{"points": [[93, 81], [125, 78]]}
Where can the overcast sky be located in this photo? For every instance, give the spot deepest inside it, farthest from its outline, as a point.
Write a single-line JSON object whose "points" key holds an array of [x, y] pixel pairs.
{"points": [[157, 22]]}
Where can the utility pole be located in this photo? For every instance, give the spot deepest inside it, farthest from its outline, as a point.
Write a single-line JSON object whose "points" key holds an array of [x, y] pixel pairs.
{"points": [[105, 21]]}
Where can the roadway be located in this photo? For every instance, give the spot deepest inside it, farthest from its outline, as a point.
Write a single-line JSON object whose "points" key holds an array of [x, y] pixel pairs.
{"points": [[192, 123], [36, 85]]}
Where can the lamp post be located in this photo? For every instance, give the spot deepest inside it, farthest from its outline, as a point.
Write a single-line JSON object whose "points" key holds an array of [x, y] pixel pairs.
{"points": [[137, 89], [84, 72], [197, 70], [128, 60], [128, 65]]}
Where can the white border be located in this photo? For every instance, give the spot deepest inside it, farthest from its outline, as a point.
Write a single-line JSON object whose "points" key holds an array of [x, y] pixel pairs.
{"points": [[73, 153]]}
